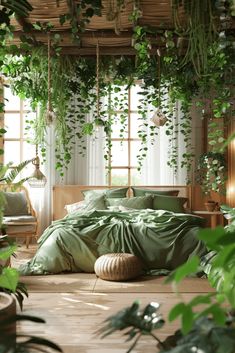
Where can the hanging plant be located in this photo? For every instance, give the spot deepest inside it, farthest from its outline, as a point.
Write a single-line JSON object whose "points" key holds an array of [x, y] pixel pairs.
{"points": [[211, 172]]}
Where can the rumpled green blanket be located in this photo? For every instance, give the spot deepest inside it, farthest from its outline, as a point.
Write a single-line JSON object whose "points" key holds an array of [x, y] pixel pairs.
{"points": [[162, 240]]}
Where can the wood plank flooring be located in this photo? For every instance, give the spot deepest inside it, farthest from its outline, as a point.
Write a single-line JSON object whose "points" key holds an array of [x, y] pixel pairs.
{"points": [[76, 305]]}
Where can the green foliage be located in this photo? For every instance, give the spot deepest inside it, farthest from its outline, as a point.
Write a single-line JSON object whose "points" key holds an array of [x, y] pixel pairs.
{"points": [[24, 342], [203, 73], [207, 320], [8, 174], [135, 322], [9, 276], [205, 336], [212, 172], [221, 275]]}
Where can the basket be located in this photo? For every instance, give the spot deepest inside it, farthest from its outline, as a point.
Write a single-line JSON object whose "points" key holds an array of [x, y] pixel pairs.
{"points": [[118, 266]]}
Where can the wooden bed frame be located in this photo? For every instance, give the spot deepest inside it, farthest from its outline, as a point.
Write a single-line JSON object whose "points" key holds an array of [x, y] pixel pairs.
{"points": [[68, 194]]}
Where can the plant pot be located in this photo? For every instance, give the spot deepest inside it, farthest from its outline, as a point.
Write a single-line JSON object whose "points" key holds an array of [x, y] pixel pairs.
{"points": [[7, 311], [210, 205]]}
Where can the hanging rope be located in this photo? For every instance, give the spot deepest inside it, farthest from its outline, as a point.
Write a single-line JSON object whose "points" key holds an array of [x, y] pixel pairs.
{"points": [[49, 107], [97, 79], [159, 119], [159, 77]]}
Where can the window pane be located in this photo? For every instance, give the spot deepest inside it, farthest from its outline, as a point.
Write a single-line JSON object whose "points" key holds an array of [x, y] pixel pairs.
{"points": [[12, 125], [13, 102], [12, 152], [119, 177], [136, 177], [135, 97], [120, 126], [135, 148], [28, 151], [134, 125], [119, 153]]}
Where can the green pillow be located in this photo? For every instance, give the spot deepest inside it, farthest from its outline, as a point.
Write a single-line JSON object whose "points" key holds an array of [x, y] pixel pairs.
{"points": [[16, 204], [97, 203], [142, 192], [138, 203], [111, 193], [169, 203]]}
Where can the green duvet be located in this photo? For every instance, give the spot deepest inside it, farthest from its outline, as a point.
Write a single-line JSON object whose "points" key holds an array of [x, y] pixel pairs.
{"points": [[162, 240]]}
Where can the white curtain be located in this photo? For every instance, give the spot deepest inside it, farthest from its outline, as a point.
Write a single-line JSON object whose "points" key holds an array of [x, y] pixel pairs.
{"points": [[155, 168]]}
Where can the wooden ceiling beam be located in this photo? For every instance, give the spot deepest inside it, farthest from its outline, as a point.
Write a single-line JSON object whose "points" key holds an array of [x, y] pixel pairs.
{"points": [[87, 34], [119, 51]]}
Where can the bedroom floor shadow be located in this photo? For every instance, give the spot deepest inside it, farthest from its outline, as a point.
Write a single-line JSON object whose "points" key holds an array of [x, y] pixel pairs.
{"points": [[76, 305]]}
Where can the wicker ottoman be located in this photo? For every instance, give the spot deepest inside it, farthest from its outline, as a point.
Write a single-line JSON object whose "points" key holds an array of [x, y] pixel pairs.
{"points": [[118, 267]]}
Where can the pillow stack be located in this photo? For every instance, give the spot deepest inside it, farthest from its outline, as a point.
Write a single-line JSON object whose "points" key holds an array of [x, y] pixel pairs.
{"points": [[116, 200]]}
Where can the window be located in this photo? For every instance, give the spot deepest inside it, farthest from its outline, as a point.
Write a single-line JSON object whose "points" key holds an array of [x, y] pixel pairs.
{"points": [[123, 163], [16, 147]]}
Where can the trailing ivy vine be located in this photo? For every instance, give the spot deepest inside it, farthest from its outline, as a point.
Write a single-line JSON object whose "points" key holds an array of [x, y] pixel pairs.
{"points": [[182, 77]]}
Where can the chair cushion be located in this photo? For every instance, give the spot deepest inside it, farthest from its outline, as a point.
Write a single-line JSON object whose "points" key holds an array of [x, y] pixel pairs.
{"points": [[20, 224], [19, 219], [16, 204]]}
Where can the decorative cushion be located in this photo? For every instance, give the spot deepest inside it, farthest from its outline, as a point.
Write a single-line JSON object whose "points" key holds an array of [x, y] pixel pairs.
{"points": [[111, 193], [16, 204], [141, 192], [73, 207], [138, 203], [97, 203], [118, 267], [169, 203]]}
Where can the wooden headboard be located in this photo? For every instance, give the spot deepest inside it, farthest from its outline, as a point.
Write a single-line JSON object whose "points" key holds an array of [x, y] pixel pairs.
{"points": [[68, 194]]}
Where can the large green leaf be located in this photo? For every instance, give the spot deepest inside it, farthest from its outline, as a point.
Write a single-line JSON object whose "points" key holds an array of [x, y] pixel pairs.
{"points": [[6, 252], [189, 268], [9, 278]]}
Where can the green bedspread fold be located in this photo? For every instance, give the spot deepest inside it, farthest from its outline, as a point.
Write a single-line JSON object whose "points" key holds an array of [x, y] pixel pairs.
{"points": [[162, 240]]}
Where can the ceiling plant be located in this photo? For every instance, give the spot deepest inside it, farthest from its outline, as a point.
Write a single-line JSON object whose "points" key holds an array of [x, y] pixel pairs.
{"points": [[181, 78]]}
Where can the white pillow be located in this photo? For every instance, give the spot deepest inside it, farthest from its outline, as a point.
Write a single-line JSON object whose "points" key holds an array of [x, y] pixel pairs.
{"points": [[73, 207]]}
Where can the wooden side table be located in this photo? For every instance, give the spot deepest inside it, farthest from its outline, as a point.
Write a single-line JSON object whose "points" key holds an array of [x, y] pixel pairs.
{"points": [[216, 217]]}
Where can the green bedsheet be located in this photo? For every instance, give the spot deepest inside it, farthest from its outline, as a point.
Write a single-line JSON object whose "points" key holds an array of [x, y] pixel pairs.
{"points": [[161, 239]]}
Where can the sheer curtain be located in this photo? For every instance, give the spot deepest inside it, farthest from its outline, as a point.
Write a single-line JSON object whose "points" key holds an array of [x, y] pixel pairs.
{"points": [[155, 169], [89, 170]]}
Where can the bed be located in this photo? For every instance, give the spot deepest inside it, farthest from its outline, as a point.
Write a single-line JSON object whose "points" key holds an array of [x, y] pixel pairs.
{"points": [[110, 222]]}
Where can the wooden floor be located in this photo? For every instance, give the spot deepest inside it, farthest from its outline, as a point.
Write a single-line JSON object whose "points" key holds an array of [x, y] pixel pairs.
{"points": [[75, 306]]}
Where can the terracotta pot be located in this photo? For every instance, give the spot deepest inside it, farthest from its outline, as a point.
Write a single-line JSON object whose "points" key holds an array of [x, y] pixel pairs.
{"points": [[210, 205], [7, 310]]}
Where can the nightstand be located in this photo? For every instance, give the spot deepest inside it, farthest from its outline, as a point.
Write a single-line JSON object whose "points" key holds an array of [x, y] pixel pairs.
{"points": [[216, 217]]}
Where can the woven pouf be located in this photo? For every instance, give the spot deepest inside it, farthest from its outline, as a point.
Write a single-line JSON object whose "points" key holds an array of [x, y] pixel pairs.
{"points": [[118, 267]]}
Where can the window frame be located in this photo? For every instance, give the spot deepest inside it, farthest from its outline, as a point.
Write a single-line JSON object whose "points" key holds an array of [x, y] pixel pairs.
{"points": [[21, 113], [129, 141]]}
